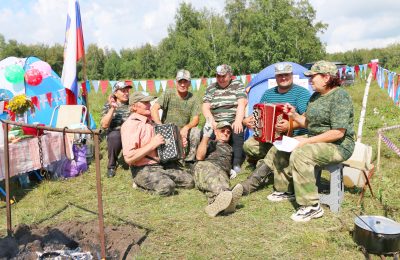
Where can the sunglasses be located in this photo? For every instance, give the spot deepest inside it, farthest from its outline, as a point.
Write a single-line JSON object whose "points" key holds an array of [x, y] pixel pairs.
{"points": [[226, 131]]}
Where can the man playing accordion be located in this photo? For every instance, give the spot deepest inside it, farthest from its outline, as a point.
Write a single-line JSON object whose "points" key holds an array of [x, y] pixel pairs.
{"points": [[285, 92], [139, 147]]}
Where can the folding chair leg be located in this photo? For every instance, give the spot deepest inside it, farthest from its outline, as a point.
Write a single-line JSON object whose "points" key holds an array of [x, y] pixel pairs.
{"points": [[367, 182]]}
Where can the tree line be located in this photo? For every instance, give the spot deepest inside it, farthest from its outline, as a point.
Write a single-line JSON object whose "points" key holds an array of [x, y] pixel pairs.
{"points": [[249, 35]]}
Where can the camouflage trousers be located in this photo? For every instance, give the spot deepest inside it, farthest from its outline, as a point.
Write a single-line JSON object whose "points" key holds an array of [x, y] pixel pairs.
{"points": [[161, 180], [193, 143], [210, 179], [255, 150], [294, 172]]}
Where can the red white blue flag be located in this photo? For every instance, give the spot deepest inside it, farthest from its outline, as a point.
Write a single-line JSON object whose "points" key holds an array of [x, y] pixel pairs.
{"points": [[74, 50]]}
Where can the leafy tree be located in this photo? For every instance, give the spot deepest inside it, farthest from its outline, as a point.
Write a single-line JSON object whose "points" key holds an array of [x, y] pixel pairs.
{"points": [[112, 66], [95, 60]]}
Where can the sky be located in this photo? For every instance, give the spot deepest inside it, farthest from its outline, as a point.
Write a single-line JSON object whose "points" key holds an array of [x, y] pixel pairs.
{"points": [[117, 24]]}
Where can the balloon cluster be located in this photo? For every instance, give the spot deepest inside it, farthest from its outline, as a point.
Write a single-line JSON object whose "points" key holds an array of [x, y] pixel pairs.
{"points": [[38, 71]]}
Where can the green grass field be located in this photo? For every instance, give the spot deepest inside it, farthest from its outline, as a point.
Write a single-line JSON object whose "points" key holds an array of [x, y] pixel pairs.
{"points": [[179, 228]]}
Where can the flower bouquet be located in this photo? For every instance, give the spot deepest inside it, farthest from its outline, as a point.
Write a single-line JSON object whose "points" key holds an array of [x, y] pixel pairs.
{"points": [[20, 104]]}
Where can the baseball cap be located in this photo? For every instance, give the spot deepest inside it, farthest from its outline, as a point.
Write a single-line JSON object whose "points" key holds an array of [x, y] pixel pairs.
{"points": [[183, 74], [324, 67], [120, 85], [223, 69], [222, 124], [283, 68], [139, 97]]}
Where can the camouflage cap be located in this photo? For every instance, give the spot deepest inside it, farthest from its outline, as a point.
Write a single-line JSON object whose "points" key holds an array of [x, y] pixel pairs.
{"points": [[283, 68], [222, 124], [139, 97], [120, 85], [223, 69], [183, 74], [323, 67]]}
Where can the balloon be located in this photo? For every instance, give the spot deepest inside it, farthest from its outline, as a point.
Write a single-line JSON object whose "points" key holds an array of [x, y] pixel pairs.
{"points": [[33, 77], [14, 73], [43, 67]]}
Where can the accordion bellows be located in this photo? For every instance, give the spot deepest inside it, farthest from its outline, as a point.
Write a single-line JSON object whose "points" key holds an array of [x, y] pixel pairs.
{"points": [[172, 150], [266, 116]]}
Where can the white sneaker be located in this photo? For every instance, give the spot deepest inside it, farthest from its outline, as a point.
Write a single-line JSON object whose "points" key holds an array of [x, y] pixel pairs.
{"points": [[134, 185], [277, 196], [237, 169], [306, 213]]}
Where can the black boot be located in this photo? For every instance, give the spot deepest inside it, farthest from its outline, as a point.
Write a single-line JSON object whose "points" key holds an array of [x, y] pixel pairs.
{"points": [[259, 176]]}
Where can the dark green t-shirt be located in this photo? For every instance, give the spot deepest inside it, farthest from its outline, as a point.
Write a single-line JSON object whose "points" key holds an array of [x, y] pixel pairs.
{"points": [[177, 110], [220, 154], [333, 110]]}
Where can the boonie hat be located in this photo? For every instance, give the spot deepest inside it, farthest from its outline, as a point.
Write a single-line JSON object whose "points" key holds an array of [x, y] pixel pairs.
{"points": [[323, 67], [222, 124], [183, 74], [223, 69], [283, 68], [120, 85], [139, 97]]}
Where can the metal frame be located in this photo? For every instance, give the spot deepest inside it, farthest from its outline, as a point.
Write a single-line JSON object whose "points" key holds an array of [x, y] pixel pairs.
{"points": [[95, 134]]}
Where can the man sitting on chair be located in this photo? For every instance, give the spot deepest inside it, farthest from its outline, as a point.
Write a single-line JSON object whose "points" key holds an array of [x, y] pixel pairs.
{"points": [[114, 113]]}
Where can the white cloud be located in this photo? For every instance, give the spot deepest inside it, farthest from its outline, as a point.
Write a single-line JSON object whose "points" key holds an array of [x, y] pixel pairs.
{"points": [[131, 23]]}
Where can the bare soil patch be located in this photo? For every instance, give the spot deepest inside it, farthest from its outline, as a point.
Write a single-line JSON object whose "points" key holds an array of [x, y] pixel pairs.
{"points": [[122, 242]]}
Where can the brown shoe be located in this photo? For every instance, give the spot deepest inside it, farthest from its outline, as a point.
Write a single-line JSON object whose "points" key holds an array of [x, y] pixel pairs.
{"points": [[237, 192], [221, 202]]}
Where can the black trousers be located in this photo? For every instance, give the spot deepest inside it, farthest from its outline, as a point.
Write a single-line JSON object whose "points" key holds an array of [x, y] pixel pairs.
{"points": [[237, 141], [114, 147]]}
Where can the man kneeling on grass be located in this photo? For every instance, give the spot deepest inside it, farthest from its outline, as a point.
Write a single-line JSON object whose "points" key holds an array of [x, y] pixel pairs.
{"points": [[139, 146], [211, 172]]}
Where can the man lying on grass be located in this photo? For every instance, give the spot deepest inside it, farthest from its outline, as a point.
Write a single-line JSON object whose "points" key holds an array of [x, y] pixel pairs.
{"points": [[211, 172], [139, 144]]}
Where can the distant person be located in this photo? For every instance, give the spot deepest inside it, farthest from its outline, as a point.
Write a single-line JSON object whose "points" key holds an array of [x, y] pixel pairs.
{"points": [[114, 113], [226, 100], [181, 108], [140, 143], [211, 172], [285, 92], [329, 120]]}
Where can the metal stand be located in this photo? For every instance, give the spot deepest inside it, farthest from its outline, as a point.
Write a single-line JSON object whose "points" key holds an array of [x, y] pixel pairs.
{"points": [[96, 134]]}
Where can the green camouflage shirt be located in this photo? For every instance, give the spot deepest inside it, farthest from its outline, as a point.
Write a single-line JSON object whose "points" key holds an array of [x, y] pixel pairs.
{"points": [[224, 101], [220, 154], [177, 110], [332, 111], [120, 115]]}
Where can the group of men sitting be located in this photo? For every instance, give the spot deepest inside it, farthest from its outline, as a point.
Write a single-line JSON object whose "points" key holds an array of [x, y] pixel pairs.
{"points": [[215, 153]]}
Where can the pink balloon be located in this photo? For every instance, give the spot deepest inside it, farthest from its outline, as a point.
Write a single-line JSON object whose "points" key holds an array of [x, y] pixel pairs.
{"points": [[43, 67], [33, 77]]}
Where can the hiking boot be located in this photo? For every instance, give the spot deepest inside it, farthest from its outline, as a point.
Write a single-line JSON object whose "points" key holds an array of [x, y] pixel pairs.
{"points": [[110, 173], [277, 196], [306, 213], [257, 178], [220, 203], [236, 195]]}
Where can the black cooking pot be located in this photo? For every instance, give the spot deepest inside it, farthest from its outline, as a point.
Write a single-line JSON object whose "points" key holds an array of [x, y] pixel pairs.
{"points": [[377, 234]]}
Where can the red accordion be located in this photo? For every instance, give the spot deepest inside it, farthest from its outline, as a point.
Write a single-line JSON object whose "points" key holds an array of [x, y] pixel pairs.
{"points": [[267, 116]]}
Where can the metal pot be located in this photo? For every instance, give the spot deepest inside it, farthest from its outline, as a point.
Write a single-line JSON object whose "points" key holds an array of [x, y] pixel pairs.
{"points": [[377, 234]]}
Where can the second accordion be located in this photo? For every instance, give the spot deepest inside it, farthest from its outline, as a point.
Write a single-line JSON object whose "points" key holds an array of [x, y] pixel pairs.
{"points": [[266, 117], [172, 149]]}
